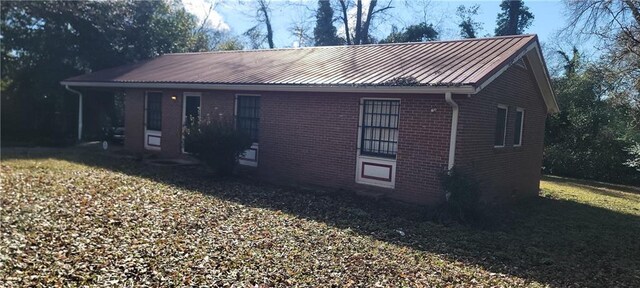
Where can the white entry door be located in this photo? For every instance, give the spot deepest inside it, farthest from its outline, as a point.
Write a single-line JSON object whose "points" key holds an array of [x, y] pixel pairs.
{"points": [[153, 120]]}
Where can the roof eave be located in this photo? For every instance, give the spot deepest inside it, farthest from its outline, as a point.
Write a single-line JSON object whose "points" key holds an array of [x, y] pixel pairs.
{"points": [[462, 89], [539, 68]]}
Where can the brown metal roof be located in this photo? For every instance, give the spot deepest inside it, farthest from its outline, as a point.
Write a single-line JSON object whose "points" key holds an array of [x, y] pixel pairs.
{"points": [[438, 63]]}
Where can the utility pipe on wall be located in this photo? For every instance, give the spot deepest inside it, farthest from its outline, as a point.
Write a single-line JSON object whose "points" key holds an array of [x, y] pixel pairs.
{"points": [[454, 129], [79, 110]]}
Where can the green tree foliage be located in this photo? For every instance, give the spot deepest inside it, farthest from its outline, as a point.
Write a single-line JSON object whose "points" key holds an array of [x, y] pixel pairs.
{"points": [[514, 18], [591, 136], [413, 33], [469, 28], [615, 24], [324, 32], [230, 45], [45, 42]]}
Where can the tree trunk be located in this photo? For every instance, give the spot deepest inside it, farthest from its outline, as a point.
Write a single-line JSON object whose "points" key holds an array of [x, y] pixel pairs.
{"points": [[267, 21], [345, 20], [367, 22], [358, 37]]}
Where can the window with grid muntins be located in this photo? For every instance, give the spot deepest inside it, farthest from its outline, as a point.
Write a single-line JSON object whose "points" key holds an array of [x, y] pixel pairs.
{"points": [[154, 111], [248, 115], [379, 134]]}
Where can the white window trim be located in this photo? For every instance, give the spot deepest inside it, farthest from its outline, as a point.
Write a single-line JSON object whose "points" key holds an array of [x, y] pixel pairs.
{"points": [[518, 109], [235, 106], [373, 160], [254, 146], [361, 116], [504, 134], [147, 132], [184, 112], [146, 96]]}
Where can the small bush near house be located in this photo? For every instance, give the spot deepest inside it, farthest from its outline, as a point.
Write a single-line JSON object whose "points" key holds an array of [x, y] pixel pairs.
{"points": [[462, 196], [217, 143]]}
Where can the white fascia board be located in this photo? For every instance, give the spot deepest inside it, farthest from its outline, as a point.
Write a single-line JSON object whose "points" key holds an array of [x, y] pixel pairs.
{"points": [[532, 52], [281, 88]]}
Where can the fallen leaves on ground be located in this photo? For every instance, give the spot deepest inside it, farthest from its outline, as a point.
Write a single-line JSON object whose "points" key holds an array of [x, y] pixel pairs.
{"points": [[125, 224]]}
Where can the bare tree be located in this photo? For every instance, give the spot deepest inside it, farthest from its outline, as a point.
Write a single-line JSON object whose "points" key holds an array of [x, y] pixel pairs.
{"points": [[610, 20], [363, 21], [254, 37], [344, 7], [263, 16], [616, 24]]}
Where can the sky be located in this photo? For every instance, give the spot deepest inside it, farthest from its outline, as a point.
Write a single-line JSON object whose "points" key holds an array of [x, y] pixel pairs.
{"points": [[238, 16]]}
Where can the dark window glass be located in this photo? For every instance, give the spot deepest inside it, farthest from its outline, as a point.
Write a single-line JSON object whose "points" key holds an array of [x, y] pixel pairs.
{"points": [[501, 121], [380, 128], [517, 134], [248, 115], [192, 116], [154, 111], [192, 110]]}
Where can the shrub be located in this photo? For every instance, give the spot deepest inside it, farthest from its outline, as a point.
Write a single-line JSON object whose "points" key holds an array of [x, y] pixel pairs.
{"points": [[462, 196], [217, 143]]}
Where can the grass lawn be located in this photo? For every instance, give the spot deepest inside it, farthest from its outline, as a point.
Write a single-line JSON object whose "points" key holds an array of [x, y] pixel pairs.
{"points": [[82, 218]]}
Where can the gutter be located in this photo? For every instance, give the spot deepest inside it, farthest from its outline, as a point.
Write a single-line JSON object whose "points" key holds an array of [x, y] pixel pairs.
{"points": [[79, 110], [465, 89], [454, 129]]}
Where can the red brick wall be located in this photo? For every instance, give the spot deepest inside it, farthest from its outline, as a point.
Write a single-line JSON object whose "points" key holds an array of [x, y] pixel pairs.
{"points": [[311, 138], [134, 120], [511, 171], [423, 147]]}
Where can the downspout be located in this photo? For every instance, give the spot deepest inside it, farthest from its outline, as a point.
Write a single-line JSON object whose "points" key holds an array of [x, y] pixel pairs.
{"points": [[454, 129], [79, 110]]}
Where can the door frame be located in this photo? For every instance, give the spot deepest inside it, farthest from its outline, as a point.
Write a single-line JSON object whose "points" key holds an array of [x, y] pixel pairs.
{"points": [[250, 156], [184, 113], [148, 134]]}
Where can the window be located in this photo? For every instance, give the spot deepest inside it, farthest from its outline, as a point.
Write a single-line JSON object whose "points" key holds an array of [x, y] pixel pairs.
{"points": [[248, 115], [379, 134], [154, 111], [517, 130], [501, 126]]}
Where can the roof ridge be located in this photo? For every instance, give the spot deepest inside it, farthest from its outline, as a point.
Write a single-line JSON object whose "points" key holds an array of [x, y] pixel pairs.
{"points": [[352, 46]]}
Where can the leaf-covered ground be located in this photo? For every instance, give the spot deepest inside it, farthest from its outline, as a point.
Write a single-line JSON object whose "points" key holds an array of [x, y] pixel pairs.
{"points": [[70, 217]]}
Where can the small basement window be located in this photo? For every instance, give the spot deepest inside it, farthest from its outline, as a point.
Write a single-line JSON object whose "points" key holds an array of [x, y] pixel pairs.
{"points": [[379, 131], [501, 126], [519, 124]]}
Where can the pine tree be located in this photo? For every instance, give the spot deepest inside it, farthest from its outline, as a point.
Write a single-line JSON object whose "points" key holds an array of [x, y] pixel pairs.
{"points": [[324, 32], [514, 18]]}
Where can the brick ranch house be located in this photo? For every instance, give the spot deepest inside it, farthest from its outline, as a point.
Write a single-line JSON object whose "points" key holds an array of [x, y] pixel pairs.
{"points": [[387, 118]]}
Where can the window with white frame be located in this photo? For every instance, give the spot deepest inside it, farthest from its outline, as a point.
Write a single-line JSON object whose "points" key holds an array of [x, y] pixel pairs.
{"points": [[154, 111], [248, 116], [517, 130], [501, 126], [379, 128]]}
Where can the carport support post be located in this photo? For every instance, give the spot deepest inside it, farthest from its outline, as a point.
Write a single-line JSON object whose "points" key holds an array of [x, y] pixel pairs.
{"points": [[79, 110], [79, 117]]}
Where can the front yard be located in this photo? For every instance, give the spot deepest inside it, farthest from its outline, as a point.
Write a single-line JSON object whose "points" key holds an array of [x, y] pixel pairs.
{"points": [[81, 218]]}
